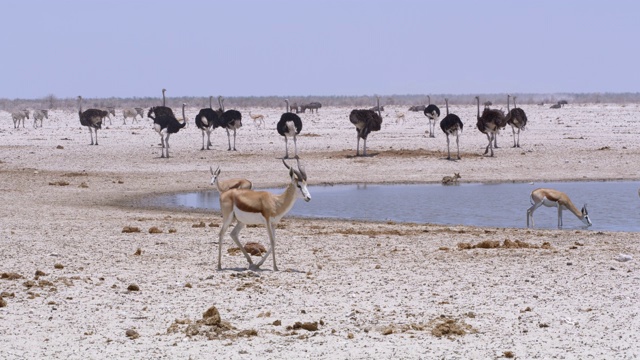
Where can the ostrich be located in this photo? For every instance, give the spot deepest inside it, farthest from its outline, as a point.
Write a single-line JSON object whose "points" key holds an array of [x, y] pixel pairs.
{"points": [[489, 123], [517, 118], [451, 125], [433, 113], [163, 110], [168, 125], [91, 118], [289, 125], [132, 113], [18, 116], [39, 115], [365, 121], [207, 120], [230, 120]]}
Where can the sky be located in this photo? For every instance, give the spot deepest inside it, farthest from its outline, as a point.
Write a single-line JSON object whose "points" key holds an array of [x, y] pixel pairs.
{"points": [[134, 48]]}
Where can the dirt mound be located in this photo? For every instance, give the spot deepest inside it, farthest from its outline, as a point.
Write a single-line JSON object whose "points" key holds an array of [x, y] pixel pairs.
{"points": [[210, 326], [449, 327], [254, 248]]}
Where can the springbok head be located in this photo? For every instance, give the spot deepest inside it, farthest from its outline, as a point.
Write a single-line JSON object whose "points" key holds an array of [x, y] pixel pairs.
{"points": [[585, 216], [299, 179], [214, 175]]}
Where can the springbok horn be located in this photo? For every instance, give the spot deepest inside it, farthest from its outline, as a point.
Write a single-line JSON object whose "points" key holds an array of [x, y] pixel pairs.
{"points": [[303, 173], [211, 168], [298, 174]]}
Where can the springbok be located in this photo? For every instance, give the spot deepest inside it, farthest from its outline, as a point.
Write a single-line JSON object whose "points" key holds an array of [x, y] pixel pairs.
{"points": [[250, 207], [555, 198], [224, 185], [258, 119]]}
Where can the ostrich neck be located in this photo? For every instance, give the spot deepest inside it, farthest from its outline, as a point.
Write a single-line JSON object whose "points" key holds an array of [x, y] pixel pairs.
{"points": [[508, 109], [478, 101], [378, 104], [429, 99], [184, 117]]}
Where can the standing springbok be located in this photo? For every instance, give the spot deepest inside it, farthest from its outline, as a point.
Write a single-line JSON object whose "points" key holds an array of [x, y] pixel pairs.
{"points": [[555, 198], [224, 185], [132, 113], [39, 115], [250, 207], [258, 119], [18, 116]]}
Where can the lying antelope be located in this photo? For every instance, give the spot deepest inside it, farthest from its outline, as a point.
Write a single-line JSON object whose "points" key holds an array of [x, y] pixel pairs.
{"points": [[251, 207], [224, 185], [555, 198]]}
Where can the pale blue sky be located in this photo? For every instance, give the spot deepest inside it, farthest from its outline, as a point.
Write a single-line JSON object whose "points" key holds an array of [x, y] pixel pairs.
{"points": [[312, 47]]}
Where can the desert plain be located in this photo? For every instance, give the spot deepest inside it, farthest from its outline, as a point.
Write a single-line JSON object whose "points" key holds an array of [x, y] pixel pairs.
{"points": [[76, 286]]}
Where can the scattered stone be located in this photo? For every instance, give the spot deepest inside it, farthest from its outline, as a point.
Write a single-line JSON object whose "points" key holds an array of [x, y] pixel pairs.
{"points": [[83, 185], [29, 284], [234, 251], [11, 276], [200, 225], [172, 231], [133, 287], [188, 285], [6, 294], [350, 336], [247, 333], [58, 266], [130, 229], [276, 323], [59, 147], [309, 326], [543, 325], [214, 225], [443, 248], [138, 252], [255, 249], [154, 230], [387, 331], [59, 183], [211, 316], [509, 354], [132, 334]]}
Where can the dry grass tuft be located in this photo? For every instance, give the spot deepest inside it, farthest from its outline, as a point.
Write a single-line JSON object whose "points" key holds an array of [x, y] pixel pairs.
{"points": [[448, 327]]}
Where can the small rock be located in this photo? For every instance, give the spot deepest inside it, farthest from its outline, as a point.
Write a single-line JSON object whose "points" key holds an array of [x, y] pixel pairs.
{"points": [[59, 147], [255, 249], [172, 231], [40, 273], [154, 230], [58, 266], [3, 303], [188, 285], [138, 252], [133, 287], [509, 354], [132, 334], [276, 323], [350, 336], [130, 229]]}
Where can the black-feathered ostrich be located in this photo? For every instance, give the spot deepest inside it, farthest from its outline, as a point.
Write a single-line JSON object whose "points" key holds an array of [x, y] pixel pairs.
{"points": [[432, 112], [163, 110], [289, 125], [207, 120], [165, 126], [91, 118], [230, 120], [451, 125], [489, 123], [517, 118], [365, 121]]}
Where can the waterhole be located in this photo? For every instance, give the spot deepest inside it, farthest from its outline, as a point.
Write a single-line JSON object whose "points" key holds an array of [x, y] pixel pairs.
{"points": [[612, 205]]}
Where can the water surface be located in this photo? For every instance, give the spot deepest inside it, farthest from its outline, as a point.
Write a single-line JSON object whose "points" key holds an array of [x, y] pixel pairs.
{"points": [[612, 205]]}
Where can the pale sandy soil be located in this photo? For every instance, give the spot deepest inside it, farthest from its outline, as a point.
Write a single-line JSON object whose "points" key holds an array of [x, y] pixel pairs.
{"points": [[379, 290]]}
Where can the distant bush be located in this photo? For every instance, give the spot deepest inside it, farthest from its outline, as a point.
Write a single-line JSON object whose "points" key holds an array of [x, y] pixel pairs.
{"points": [[358, 101]]}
